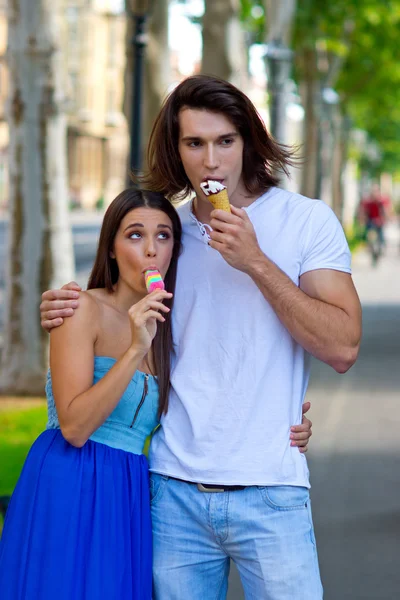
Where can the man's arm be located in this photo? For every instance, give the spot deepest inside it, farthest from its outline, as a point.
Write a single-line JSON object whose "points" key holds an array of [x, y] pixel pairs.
{"points": [[323, 315]]}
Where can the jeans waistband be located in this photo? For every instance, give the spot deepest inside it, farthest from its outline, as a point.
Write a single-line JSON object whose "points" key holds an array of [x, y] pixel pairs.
{"points": [[211, 488]]}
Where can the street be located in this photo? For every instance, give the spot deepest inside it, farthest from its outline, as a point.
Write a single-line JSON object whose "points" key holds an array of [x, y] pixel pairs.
{"points": [[354, 456]]}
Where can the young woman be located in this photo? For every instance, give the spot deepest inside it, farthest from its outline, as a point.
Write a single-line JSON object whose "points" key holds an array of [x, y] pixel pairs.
{"points": [[78, 525]]}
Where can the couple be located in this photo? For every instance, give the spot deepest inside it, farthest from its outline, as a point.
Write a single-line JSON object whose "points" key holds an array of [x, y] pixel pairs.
{"points": [[257, 291]]}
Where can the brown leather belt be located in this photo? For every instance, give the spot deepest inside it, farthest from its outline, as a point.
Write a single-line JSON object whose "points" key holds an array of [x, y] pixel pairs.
{"points": [[212, 488]]}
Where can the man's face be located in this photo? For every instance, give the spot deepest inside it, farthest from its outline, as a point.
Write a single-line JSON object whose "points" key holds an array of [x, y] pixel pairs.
{"points": [[211, 147]]}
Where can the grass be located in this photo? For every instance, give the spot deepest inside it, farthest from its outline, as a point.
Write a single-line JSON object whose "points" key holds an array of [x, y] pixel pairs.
{"points": [[21, 421]]}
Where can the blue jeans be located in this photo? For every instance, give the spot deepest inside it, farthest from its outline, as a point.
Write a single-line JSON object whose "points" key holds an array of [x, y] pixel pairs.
{"points": [[266, 531]]}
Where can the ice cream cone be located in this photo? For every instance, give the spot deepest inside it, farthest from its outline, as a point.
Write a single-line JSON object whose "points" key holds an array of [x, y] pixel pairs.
{"points": [[217, 194], [220, 200]]}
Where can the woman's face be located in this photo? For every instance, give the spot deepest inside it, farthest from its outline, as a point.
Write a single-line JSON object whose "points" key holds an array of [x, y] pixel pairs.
{"points": [[144, 241]]}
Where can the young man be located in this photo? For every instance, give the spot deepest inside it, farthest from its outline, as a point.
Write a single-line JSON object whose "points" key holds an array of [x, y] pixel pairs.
{"points": [[258, 291]]}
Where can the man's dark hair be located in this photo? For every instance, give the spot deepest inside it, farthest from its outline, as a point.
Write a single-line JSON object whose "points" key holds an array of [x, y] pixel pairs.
{"points": [[263, 157]]}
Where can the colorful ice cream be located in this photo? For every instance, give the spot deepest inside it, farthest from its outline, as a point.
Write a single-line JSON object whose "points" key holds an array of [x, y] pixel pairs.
{"points": [[217, 194], [153, 280]]}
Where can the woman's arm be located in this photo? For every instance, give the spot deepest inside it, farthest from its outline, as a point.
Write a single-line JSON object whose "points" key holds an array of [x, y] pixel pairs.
{"points": [[81, 406]]}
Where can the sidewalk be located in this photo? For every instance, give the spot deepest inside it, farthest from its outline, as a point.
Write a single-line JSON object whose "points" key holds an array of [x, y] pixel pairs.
{"points": [[379, 285]]}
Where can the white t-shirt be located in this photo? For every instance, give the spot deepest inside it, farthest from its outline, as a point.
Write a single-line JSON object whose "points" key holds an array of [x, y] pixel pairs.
{"points": [[238, 377]]}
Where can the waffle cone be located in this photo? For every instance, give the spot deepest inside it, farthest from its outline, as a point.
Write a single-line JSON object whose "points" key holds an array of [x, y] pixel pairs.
{"points": [[220, 200]]}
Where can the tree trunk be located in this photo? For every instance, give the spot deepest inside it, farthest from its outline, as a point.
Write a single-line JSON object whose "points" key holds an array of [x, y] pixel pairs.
{"points": [[340, 154], [224, 46], [40, 241], [310, 95], [157, 66]]}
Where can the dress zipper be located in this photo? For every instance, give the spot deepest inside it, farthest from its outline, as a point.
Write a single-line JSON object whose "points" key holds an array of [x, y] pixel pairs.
{"points": [[145, 390]]}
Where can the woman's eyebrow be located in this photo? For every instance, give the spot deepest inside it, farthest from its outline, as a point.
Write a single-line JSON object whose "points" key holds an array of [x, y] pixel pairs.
{"points": [[133, 225], [159, 226]]}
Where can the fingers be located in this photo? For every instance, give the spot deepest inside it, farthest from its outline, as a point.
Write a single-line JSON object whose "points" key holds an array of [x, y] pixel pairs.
{"points": [[305, 427], [159, 306], [58, 305], [62, 294], [142, 319], [306, 407], [57, 309], [72, 285], [48, 325], [149, 307], [222, 238], [240, 212], [50, 315], [224, 227], [235, 217], [158, 294], [302, 436]]}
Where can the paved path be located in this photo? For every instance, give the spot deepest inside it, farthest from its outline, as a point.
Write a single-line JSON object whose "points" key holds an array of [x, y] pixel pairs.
{"points": [[355, 452]]}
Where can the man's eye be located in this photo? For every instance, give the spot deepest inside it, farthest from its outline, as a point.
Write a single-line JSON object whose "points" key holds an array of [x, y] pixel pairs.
{"points": [[227, 142], [194, 144]]}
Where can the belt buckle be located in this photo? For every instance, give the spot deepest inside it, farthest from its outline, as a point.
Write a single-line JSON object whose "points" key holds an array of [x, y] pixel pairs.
{"points": [[210, 490]]}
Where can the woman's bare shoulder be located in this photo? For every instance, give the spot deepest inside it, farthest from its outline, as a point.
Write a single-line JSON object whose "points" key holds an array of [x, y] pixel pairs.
{"points": [[98, 299], [89, 301]]}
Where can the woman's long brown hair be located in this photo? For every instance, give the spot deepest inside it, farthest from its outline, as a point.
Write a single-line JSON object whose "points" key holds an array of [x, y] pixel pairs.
{"points": [[263, 157], [105, 272]]}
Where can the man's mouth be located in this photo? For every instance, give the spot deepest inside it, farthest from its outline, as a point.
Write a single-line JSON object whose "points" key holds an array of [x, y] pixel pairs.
{"points": [[213, 179]]}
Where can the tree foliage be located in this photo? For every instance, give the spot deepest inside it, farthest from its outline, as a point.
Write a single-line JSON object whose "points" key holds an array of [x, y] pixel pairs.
{"points": [[356, 51]]}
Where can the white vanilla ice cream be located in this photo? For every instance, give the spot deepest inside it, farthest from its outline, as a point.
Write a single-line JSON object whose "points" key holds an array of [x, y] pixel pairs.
{"points": [[212, 187]]}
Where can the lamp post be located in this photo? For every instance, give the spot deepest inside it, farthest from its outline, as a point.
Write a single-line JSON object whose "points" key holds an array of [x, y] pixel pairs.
{"points": [[278, 59], [139, 18]]}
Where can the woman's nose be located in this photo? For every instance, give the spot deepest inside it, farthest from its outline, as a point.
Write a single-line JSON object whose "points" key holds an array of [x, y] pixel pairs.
{"points": [[150, 249]]}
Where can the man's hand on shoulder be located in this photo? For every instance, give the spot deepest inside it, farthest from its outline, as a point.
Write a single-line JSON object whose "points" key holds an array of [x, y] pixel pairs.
{"points": [[234, 237], [58, 304]]}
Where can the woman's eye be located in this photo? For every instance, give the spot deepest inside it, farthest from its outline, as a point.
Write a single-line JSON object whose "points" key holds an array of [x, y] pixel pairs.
{"points": [[227, 142], [164, 235], [135, 235], [194, 144]]}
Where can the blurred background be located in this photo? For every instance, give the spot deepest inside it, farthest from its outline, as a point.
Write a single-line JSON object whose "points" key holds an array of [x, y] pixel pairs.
{"points": [[81, 82]]}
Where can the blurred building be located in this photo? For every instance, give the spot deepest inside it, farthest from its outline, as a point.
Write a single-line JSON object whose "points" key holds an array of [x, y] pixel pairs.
{"points": [[3, 97], [93, 44]]}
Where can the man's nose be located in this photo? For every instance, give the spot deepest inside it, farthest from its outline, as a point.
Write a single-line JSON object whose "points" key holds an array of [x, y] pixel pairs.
{"points": [[211, 159]]}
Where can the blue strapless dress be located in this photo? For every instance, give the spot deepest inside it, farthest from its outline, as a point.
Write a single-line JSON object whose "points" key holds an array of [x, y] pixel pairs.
{"points": [[78, 525]]}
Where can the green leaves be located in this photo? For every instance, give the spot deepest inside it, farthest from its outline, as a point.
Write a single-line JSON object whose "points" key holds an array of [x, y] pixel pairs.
{"points": [[356, 50]]}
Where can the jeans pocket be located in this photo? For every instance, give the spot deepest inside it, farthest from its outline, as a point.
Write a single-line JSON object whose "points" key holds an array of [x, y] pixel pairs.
{"points": [[157, 484], [285, 497]]}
